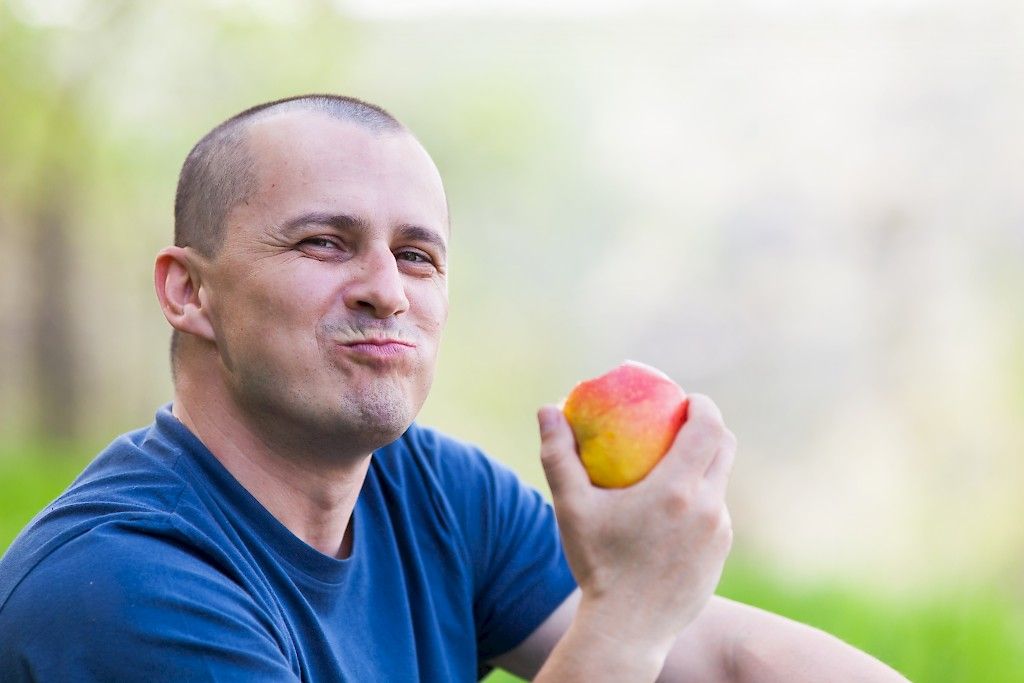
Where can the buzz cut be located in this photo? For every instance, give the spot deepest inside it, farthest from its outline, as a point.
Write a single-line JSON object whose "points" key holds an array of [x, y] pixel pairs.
{"points": [[220, 171]]}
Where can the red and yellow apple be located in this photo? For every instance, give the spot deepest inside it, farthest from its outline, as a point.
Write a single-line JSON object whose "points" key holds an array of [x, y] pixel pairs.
{"points": [[624, 422]]}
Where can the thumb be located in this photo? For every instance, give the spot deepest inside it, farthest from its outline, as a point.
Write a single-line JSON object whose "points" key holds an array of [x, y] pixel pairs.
{"points": [[562, 465]]}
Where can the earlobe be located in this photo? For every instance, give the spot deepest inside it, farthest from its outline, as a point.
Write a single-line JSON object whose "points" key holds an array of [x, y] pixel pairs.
{"points": [[180, 290]]}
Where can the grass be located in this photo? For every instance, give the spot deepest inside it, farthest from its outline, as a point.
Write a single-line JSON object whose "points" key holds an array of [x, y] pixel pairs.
{"points": [[30, 477], [975, 634]]}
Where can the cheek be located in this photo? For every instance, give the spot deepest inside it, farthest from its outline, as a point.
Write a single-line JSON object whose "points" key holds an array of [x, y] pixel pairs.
{"points": [[432, 310], [293, 294], [268, 311]]}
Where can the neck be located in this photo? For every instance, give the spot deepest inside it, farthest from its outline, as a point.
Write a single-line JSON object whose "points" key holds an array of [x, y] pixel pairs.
{"points": [[312, 496]]}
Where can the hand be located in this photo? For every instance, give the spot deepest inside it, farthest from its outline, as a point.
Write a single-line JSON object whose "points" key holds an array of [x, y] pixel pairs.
{"points": [[646, 557]]}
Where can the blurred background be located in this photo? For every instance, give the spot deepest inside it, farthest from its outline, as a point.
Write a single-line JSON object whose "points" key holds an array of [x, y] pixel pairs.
{"points": [[809, 210]]}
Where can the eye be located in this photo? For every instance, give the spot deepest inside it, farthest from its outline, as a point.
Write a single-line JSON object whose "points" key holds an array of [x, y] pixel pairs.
{"points": [[321, 242], [413, 256]]}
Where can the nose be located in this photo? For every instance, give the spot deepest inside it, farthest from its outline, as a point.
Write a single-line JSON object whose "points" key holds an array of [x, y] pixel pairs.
{"points": [[376, 286]]}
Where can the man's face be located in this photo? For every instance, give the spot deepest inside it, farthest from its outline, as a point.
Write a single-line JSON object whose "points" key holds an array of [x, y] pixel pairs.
{"points": [[329, 293]]}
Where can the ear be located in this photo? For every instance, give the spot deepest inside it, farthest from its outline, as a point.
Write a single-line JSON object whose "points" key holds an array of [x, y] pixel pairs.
{"points": [[179, 288]]}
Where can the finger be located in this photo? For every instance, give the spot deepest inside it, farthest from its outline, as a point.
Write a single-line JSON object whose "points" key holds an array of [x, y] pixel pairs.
{"points": [[558, 455], [720, 468], [697, 442]]}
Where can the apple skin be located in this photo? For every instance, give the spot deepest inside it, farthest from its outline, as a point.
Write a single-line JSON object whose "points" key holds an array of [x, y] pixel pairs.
{"points": [[624, 422]]}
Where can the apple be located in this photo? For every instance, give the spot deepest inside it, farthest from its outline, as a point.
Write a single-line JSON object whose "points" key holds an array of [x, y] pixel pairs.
{"points": [[624, 422]]}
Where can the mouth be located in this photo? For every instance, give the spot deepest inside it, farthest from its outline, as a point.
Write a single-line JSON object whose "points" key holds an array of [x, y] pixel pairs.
{"points": [[379, 348]]}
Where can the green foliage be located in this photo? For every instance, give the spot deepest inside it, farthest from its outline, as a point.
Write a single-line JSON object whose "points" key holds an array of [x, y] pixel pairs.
{"points": [[975, 634], [31, 477]]}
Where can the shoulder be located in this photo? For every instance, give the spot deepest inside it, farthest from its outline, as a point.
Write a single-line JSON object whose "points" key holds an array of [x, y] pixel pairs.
{"points": [[126, 596], [128, 480], [130, 523], [120, 557]]}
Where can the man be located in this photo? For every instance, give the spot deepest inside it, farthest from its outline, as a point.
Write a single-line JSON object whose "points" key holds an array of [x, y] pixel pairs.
{"points": [[284, 519]]}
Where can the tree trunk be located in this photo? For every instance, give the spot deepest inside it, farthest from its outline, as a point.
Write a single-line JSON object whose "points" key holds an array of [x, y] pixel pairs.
{"points": [[53, 347]]}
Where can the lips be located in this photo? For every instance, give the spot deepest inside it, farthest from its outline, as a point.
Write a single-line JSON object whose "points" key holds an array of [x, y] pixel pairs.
{"points": [[380, 348], [379, 342]]}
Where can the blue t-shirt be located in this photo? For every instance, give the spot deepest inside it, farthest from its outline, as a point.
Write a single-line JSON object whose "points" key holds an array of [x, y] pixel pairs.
{"points": [[157, 565]]}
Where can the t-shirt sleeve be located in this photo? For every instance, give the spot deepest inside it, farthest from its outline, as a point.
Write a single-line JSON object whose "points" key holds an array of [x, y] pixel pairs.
{"points": [[519, 568], [122, 604]]}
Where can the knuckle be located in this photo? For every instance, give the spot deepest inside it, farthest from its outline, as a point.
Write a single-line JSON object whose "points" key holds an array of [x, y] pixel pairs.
{"points": [[727, 455], [724, 530], [705, 410], [715, 429], [699, 401], [568, 513], [708, 516], [710, 428], [725, 537], [679, 498], [548, 454], [725, 521], [551, 453]]}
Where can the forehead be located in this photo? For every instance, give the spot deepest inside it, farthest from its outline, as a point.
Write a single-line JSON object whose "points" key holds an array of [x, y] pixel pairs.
{"points": [[310, 161]]}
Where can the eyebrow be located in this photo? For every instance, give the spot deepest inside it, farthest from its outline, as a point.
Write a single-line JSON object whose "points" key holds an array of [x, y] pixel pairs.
{"points": [[341, 221]]}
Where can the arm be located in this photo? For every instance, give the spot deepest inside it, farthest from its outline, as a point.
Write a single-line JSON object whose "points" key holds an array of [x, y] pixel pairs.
{"points": [[768, 648], [647, 560], [727, 642]]}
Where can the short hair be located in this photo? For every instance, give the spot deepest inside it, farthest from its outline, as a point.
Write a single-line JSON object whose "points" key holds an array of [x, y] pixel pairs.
{"points": [[220, 171]]}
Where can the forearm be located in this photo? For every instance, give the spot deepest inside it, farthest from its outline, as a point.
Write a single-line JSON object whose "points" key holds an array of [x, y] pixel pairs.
{"points": [[591, 652], [768, 648]]}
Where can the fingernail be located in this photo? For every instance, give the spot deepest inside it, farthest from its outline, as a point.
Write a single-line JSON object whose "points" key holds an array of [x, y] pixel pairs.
{"points": [[546, 419]]}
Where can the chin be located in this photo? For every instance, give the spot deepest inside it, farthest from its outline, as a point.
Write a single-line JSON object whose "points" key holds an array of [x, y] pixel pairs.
{"points": [[384, 415], [383, 428]]}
